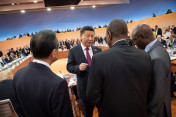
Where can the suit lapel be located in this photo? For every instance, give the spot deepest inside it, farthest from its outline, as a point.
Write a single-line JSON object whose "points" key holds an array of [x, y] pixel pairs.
{"points": [[154, 45], [94, 50], [81, 54]]}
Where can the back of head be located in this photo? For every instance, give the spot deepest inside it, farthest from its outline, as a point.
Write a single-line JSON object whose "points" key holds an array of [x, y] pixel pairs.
{"points": [[142, 35], [118, 28], [43, 43]]}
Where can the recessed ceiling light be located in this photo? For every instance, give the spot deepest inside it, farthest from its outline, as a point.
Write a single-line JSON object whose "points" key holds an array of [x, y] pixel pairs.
{"points": [[93, 6], [72, 8], [48, 9], [13, 3], [35, 1], [23, 11]]}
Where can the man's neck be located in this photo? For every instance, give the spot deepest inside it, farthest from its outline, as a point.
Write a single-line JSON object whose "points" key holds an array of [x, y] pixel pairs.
{"points": [[85, 46], [45, 60]]}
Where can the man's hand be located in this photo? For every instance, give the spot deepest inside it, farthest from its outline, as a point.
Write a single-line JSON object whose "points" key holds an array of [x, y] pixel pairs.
{"points": [[83, 66]]}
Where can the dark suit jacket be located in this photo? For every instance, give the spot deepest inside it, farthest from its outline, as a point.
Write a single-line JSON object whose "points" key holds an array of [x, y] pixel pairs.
{"points": [[174, 29], [1, 54], [41, 93], [159, 31], [159, 95], [75, 58], [118, 81], [7, 92], [164, 42]]}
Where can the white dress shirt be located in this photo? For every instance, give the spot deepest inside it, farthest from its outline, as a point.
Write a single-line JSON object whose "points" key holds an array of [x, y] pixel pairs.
{"points": [[84, 51], [41, 62], [147, 48], [119, 40]]}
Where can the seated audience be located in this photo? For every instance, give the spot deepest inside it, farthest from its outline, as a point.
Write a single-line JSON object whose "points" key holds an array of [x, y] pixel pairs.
{"points": [[40, 92]]}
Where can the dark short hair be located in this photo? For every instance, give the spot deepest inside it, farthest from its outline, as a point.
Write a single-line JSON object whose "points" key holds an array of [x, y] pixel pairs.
{"points": [[156, 25], [89, 28], [118, 28], [43, 43]]}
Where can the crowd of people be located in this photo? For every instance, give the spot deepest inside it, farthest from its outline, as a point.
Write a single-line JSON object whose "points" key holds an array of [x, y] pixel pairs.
{"points": [[132, 78], [12, 54]]}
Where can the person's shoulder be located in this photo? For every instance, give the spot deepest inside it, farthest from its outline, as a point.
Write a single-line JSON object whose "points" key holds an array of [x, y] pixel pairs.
{"points": [[96, 47], [103, 54], [55, 79], [75, 48]]}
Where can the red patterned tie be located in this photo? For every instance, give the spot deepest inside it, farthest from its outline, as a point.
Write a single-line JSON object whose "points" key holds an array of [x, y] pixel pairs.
{"points": [[88, 56]]}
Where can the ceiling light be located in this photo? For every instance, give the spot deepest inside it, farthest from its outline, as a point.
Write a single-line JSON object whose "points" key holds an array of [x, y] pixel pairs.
{"points": [[35, 1], [93, 6], [23, 11], [72, 8], [48, 9], [13, 3]]}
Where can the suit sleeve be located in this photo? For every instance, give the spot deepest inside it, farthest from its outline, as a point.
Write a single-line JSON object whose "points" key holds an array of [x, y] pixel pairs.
{"points": [[60, 101], [158, 86], [94, 86], [71, 64]]}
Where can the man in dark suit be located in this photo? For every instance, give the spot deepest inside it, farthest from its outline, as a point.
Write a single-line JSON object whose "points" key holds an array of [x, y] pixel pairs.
{"points": [[119, 77], [159, 103], [42, 93], [1, 54], [79, 62], [162, 41], [174, 29], [158, 30]]}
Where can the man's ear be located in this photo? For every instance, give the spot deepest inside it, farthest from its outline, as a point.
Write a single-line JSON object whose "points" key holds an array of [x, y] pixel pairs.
{"points": [[53, 53], [109, 35]]}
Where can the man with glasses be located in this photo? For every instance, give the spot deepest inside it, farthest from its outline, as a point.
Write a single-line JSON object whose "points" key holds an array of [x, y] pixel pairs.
{"points": [[159, 103]]}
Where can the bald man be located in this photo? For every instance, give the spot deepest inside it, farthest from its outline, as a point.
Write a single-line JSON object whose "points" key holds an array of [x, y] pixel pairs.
{"points": [[120, 76], [159, 103]]}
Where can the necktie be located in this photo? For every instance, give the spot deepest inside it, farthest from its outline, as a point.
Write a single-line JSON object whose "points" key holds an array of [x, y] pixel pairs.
{"points": [[88, 57]]}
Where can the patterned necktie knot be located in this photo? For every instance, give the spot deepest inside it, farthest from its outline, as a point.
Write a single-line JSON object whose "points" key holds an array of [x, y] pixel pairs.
{"points": [[87, 49]]}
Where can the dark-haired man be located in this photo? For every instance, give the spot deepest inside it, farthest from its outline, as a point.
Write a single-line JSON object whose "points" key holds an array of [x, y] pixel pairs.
{"points": [[79, 62], [158, 30], [159, 102], [42, 93], [119, 77]]}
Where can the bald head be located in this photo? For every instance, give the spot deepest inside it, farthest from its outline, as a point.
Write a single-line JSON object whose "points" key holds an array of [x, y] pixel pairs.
{"points": [[117, 29], [142, 35]]}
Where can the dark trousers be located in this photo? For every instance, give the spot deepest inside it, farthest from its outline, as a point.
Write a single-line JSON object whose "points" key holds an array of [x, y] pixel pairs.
{"points": [[87, 108]]}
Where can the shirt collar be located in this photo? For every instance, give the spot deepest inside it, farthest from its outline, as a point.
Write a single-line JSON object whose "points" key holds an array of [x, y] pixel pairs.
{"points": [[147, 48], [41, 62], [83, 47], [118, 41]]}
